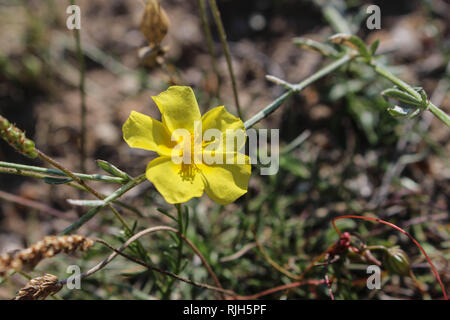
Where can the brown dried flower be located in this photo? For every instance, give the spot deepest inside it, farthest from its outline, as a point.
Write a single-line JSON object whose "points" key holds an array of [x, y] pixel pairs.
{"points": [[155, 23], [39, 288], [27, 259]]}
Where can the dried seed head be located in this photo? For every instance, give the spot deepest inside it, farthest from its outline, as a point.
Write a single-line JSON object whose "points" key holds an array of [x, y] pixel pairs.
{"points": [[16, 138], [39, 288], [28, 258], [155, 23]]}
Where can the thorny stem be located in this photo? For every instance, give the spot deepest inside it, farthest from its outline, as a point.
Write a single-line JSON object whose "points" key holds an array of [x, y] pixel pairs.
{"points": [[435, 272], [226, 49]]}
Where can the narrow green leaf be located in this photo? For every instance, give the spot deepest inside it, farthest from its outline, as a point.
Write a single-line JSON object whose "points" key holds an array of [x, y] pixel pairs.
{"points": [[401, 96], [54, 180], [112, 169], [87, 203], [374, 46], [399, 111], [316, 46], [164, 212], [352, 42]]}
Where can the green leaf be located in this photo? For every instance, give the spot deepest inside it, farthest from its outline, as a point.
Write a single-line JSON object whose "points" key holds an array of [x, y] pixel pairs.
{"points": [[401, 96], [54, 180], [399, 111], [352, 42], [112, 169], [294, 166], [186, 222], [87, 203], [164, 212], [316, 46], [374, 46]]}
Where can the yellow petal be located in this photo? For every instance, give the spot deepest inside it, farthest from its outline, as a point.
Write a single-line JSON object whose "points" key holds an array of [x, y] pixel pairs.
{"points": [[225, 183], [175, 183], [219, 118], [178, 107], [144, 132]]}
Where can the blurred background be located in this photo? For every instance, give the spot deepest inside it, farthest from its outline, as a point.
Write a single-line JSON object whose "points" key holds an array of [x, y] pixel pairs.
{"points": [[355, 157]]}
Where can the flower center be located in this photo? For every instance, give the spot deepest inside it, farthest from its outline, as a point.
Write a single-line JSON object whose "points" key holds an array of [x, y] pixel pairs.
{"points": [[188, 167]]}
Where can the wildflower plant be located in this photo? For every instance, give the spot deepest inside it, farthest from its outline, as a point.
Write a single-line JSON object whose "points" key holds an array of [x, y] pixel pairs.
{"points": [[187, 164], [199, 154]]}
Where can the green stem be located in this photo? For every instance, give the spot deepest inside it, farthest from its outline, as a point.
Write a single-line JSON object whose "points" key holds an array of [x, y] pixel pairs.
{"points": [[83, 109], [295, 89], [339, 24], [209, 40], [441, 115], [226, 49], [24, 173], [180, 234], [394, 79], [69, 173], [82, 176], [335, 19], [376, 247], [93, 211]]}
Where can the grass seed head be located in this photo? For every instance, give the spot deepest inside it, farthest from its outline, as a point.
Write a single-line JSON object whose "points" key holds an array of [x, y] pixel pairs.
{"points": [[39, 288], [27, 259]]}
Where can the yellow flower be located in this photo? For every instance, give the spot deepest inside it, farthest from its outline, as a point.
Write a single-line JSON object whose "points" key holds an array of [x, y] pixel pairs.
{"points": [[181, 171]]}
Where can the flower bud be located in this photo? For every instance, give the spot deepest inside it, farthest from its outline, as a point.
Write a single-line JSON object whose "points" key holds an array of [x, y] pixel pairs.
{"points": [[396, 261], [16, 138], [4, 123]]}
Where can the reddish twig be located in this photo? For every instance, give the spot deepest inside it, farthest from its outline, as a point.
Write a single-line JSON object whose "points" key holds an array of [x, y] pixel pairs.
{"points": [[33, 204], [435, 272], [328, 282], [280, 288]]}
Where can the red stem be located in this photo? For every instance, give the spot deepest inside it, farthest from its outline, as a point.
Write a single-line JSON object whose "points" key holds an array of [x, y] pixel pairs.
{"points": [[280, 288], [436, 274]]}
